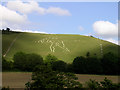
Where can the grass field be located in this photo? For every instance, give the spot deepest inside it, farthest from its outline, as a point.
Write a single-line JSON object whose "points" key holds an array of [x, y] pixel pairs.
{"points": [[15, 79], [18, 79], [64, 47]]}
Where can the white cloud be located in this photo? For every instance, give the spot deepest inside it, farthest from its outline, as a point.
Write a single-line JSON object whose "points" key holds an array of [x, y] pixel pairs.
{"points": [[106, 29], [30, 31], [80, 28], [32, 6], [10, 17], [15, 13], [25, 8], [112, 40], [58, 11]]}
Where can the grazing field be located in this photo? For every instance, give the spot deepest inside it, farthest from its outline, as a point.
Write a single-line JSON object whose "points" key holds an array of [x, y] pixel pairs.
{"points": [[85, 77], [65, 47], [15, 79], [18, 79]]}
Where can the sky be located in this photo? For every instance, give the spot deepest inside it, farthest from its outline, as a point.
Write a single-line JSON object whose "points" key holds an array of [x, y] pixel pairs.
{"points": [[99, 19]]}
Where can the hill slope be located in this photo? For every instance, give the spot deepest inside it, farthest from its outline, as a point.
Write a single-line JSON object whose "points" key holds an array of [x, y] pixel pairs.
{"points": [[65, 47]]}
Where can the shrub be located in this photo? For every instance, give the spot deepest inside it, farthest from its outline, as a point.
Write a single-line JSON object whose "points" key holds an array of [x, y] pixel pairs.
{"points": [[49, 59], [110, 63], [44, 77], [6, 65], [59, 66], [92, 84], [109, 85], [26, 62], [79, 65]]}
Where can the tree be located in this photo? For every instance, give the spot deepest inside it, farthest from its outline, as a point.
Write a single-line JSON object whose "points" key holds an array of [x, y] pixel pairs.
{"points": [[59, 66], [88, 54], [3, 30], [69, 67], [92, 84], [33, 60], [108, 84], [44, 77], [79, 65], [93, 65], [90, 65], [110, 63], [6, 65], [20, 60], [8, 29], [49, 59], [26, 62]]}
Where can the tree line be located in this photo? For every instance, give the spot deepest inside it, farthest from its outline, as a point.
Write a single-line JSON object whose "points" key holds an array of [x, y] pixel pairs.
{"points": [[8, 31], [109, 64], [54, 73]]}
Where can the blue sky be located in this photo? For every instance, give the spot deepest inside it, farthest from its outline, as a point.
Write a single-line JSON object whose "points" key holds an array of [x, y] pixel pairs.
{"points": [[82, 14], [85, 18]]}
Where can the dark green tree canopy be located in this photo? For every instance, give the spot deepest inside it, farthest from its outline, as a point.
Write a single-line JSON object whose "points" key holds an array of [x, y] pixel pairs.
{"points": [[59, 66], [26, 62], [44, 77]]}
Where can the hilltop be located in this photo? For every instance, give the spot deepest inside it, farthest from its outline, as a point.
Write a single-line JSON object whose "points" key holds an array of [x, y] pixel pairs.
{"points": [[64, 46]]}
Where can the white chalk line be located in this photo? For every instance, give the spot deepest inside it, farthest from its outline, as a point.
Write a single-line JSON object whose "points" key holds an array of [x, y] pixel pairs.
{"points": [[11, 45], [54, 44]]}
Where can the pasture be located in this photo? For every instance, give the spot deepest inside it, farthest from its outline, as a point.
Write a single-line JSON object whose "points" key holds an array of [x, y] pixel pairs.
{"points": [[64, 46], [18, 79]]}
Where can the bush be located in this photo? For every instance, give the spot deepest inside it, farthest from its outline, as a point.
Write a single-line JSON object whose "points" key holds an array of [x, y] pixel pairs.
{"points": [[49, 59], [33, 60], [59, 66], [105, 84], [93, 66], [69, 68], [44, 77], [26, 62], [109, 85], [79, 65], [6, 65], [92, 84], [110, 64], [20, 60]]}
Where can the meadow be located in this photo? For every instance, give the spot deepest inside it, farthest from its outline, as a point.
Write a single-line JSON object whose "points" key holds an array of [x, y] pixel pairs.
{"points": [[18, 79], [64, 46]]}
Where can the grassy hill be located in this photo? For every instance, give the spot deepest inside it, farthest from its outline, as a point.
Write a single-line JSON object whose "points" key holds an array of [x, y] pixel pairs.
{"points": [[64, 46]]}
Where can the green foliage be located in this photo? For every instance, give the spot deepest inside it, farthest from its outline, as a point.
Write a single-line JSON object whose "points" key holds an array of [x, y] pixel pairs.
{"points": [[92, 84], [33, 60], [88, 54], [20, 60], [77, 44], [79, 65], [105, 84], [44, 77], [6, 65], [69, 67], [87, 65], [59, 66], [93, 66], [109, 85], [26, 62], [49, 59], [110, 63]]}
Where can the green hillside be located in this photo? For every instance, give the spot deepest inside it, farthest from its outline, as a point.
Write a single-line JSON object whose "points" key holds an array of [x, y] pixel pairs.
{"points": [[64, 46]]}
